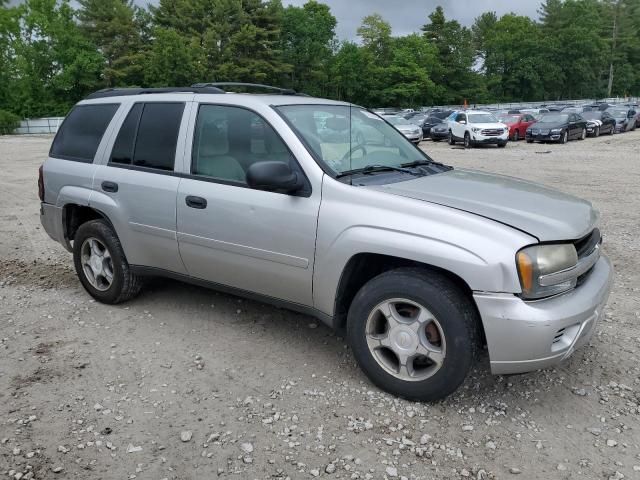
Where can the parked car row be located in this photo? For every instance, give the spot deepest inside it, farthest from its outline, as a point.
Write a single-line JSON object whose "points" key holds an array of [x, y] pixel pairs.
{"points": [[551, 123]]}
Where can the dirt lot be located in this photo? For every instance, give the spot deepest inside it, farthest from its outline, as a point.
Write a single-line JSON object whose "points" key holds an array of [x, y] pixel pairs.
{"points": [[186, 383]]}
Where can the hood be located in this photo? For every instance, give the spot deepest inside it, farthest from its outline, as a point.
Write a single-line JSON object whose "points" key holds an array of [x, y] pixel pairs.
{"points": [[542, 124], [407, 128], [542, 212], [488, 125]]}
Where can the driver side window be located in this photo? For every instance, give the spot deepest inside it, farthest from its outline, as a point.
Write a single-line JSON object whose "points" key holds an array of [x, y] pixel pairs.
{"points": [[228, 140], [461, 118]]}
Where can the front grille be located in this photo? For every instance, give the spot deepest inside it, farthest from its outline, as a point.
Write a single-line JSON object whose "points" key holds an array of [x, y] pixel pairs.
{"points": [[544, 131], [586, 244], [492, 132], [584, 247]]}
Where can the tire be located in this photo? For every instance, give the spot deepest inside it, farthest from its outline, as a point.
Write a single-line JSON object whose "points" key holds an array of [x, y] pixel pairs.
{"points": [[516, 136], [467, 140], [597, 132], [452, 140], [124, 285], [583, 135], [502, 145], [529, 141], [436, 139], [451, 316], [564, 138]]}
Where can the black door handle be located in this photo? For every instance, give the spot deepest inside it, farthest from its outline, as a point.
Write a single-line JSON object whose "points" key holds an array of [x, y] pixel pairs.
{"points": [[196, 202], [110, 187]]}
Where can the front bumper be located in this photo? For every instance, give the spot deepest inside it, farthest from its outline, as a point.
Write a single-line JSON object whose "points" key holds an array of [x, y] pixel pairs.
{"points": [[414, 137], [550, 137], [493, 140], [437, 134], [525, 336]]}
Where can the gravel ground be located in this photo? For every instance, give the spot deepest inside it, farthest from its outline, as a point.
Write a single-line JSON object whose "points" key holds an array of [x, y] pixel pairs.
{"points": [[187, 383]]}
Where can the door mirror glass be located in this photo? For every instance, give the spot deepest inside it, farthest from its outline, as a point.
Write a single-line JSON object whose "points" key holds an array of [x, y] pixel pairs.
{"points": [[273, 176]]}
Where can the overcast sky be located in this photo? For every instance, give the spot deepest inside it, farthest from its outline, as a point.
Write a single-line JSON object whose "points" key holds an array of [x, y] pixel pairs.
{"points": [[407, 16]]}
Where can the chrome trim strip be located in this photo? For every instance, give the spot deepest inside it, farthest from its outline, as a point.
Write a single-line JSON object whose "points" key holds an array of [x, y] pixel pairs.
{"points": [[583, 266]]}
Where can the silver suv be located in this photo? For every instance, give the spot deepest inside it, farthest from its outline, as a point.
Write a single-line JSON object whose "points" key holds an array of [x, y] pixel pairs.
{"points": [[278, 198]]}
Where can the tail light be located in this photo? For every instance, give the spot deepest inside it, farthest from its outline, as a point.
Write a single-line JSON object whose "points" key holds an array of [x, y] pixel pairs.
{"points": [[41, 184]]}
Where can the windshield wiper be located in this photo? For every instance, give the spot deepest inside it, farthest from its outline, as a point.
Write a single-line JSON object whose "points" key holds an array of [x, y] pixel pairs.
{"points": [[378, 168], [418, 163]]}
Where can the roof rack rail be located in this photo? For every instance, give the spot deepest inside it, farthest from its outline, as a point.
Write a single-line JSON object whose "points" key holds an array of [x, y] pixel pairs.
{"points": [[222, 85], [117, 92]]}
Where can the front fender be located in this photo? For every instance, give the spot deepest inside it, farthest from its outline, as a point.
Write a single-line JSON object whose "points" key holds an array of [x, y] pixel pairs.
{"points": [[471, 267]]}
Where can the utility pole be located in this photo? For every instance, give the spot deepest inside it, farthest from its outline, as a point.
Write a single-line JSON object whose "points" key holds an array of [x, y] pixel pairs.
{"points": [[613, 46]]}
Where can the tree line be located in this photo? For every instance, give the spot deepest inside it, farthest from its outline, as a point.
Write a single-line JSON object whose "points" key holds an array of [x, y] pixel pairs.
{"points": [[52, 54]]}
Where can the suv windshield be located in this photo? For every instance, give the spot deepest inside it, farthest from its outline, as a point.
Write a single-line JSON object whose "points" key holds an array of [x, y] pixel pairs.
{"points": [[345, 138], [482, 118]]}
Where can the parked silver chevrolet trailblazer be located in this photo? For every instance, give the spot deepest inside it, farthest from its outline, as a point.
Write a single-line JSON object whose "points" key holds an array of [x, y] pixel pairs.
{"points": [[419, 263]]}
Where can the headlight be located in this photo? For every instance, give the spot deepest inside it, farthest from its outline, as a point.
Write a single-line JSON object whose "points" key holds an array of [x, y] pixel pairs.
{"points": [[476, 129], [539, 260], [528, 130], [556, 130]]}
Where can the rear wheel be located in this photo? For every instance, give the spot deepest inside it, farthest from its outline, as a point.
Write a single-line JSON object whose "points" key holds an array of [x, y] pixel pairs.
{"points": [[101, 264], [413, 333], [583, 135], [516, 136]]}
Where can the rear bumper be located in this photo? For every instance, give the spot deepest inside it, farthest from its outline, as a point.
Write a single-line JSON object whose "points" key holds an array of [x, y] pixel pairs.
{"points": [[52, 221], [525, 336]]}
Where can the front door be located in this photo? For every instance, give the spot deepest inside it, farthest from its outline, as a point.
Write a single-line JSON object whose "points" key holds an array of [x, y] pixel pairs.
{"points": [[230, 234]]}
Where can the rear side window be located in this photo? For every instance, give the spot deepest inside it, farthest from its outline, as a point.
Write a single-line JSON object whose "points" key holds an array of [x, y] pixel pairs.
{"points": [[149, 136], [81, 132]]}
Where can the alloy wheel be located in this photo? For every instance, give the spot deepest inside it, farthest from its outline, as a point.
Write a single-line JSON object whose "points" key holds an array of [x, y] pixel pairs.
{"points": [[97, 264], [405, 339]]}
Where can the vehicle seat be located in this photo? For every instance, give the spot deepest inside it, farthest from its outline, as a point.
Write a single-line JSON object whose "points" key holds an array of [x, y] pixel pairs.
{"points": [[212, 155]]}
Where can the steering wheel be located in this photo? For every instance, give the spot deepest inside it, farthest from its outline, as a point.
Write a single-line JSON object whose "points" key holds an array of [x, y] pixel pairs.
{"points": [[349, 154]]}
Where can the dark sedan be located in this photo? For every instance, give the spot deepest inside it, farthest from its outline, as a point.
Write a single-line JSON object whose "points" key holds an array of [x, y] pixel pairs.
{"points": [[439, 131], [557, 127], [625, 118], [599, 123]]}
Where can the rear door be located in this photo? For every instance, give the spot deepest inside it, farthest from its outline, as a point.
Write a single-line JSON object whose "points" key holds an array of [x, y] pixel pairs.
{"points": [[231, 234], [137, 187]]}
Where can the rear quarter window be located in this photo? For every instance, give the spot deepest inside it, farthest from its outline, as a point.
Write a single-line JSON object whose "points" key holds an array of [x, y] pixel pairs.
{"points": [[81, 132]]}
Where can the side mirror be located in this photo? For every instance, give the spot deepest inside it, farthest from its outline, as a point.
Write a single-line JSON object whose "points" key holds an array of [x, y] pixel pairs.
{"points": [[462, 122], [273, 177]]}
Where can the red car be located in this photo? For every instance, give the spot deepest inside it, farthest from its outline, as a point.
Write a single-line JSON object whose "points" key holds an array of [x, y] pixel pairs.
{"points": [[518, 124]]}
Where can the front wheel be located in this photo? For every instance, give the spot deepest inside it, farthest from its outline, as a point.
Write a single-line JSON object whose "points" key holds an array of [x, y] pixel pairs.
{"points": [[564, 137], [516, 136], [467, 140], [101, 265], [502, 145], [452, 140], [413, 333], [583, 135], [597, 132]]}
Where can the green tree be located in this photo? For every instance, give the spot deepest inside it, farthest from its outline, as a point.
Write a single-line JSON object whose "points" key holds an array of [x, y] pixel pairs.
{"points": [[308, 36], [375, 33], [9, 34], [240, 38], [455, 55], [55, 63], [112, 25]]}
